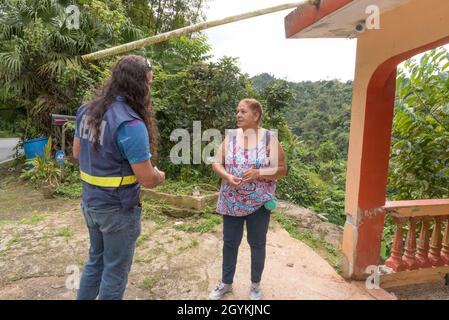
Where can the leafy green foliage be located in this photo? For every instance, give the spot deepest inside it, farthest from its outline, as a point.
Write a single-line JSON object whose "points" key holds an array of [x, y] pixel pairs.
{"points": [[203, 223], [315, 145], [313, 180], [156, 16], [419, 164], [70, 190], [43, 171], [182, 52], [318, 112], [40, 66], [206, 92], [41, 71], [70, 186]]}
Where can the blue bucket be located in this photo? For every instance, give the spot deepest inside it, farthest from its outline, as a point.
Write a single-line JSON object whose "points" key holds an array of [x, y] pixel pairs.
{"points": [[35, 147]]}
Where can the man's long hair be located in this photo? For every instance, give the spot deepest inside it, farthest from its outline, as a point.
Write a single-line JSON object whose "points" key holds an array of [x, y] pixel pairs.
{"points": [[129, 80]]}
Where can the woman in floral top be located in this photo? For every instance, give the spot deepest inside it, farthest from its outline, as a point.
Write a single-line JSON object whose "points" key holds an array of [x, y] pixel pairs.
{"points": [[249, 161]]}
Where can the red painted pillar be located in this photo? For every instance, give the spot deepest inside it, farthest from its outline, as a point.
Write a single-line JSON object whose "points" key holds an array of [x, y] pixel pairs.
{"points": [[374, 168]]}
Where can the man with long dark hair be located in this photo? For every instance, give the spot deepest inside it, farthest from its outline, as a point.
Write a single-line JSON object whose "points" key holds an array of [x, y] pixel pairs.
{"points": [[116, 135]]}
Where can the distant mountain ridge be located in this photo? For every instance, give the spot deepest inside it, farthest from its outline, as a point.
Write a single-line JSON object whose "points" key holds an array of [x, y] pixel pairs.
{"points": [[320, 111]]}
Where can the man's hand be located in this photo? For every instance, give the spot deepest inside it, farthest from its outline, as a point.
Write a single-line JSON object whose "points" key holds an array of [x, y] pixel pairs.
{"points": [[233, 181], [250, 174]]}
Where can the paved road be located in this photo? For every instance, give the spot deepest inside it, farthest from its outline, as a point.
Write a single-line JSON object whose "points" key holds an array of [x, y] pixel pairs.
{"points": [[7, 146]]}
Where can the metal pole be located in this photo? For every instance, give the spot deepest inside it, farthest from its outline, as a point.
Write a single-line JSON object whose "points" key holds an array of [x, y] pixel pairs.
{"points": [[63, 139], [63, 150]]}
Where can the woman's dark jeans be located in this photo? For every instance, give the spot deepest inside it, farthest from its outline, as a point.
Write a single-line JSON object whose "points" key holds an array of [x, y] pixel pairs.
{"points": [[256, 228]]}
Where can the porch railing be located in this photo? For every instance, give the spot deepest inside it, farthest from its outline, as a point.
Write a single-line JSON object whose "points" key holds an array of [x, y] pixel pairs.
{"points": [[419, 257]]}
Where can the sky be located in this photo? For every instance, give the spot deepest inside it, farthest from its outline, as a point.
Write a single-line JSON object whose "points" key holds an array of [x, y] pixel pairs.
{"points": [[261, 46]]}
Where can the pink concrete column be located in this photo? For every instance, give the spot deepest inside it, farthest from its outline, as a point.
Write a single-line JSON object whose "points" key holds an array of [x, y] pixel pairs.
{"points": [[395, 261], [422, 256], [445, 249], [435, 244], [410, 246]]}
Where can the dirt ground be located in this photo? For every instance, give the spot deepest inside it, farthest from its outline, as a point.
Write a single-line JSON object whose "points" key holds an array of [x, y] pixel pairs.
{"points": [[44, 244]]}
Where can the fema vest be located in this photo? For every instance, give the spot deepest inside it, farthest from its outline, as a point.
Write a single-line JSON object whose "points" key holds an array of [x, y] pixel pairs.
{"points": [[107, 177]]}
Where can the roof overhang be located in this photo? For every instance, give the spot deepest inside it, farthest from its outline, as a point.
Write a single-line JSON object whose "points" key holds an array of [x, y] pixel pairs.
{"points": [[333, 18]]}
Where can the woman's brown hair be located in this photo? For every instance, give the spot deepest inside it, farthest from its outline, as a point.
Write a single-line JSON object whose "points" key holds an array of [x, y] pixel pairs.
{"points": [[129, 80], [254, 105]]}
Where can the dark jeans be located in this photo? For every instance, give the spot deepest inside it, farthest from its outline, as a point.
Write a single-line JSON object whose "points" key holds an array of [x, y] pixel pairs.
{"points": [[256, 228], [113, 233]]}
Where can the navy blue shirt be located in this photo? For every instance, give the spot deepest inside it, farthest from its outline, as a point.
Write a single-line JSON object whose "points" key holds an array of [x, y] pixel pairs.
{"points": [[123, 141], [132, 140]]}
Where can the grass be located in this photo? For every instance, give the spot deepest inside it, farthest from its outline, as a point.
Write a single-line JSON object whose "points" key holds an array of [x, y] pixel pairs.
{"points": [[7, 180], [80, 261], [7, 134], [65, 232], [143, 238], [33, 220], [14, 240], [145, 259], [200, 224], [151, 210], [158, 250], [45, 239], [148, 256], [149, 282], [193, 243], [74, 190], [324, 249], [71, 191], [185, 187], [5, 222]]}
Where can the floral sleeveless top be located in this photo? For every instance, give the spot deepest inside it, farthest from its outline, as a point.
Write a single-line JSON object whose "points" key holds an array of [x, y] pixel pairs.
{"points": [[250, 196]]}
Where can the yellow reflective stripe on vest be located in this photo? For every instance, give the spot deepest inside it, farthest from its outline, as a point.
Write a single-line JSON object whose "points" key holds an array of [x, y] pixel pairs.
{"points": [[110, 182]]}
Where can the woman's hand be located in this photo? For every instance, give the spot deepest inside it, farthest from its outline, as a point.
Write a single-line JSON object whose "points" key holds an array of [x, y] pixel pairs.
{"points": [[161, 175], [233, 181], [250, 174]]}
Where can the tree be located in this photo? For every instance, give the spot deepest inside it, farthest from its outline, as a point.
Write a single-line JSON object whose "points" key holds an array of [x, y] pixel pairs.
{"points": [[40, 65], [419, 164], [157, 16], [208, 92]]}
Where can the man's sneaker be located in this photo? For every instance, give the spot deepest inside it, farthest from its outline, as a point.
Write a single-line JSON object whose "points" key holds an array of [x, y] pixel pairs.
{"points": [[220, 290], [255, 293]]}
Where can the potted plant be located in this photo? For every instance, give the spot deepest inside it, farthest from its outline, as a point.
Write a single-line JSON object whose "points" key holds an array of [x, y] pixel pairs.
{"points": [[44, 172]]}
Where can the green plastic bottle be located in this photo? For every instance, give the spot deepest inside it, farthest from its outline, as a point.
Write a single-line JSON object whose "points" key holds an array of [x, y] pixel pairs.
{"points": [[271, 204]]}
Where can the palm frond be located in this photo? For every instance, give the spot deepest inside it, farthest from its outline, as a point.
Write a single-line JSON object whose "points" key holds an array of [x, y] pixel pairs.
{"points": [[130, 32], [11, 63], [45, 104], [62, 42], [46, 9], [5, 31], [22, 85], [52, 68]]}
